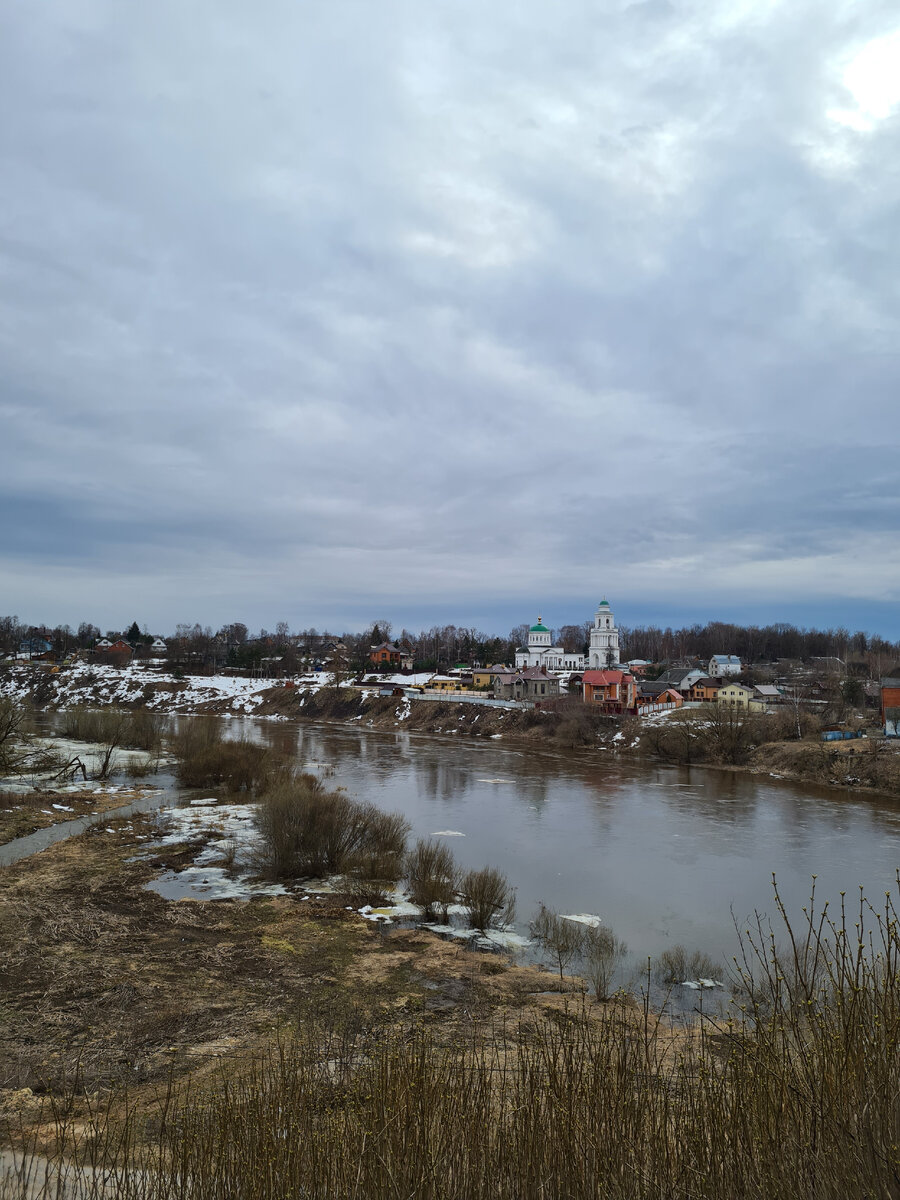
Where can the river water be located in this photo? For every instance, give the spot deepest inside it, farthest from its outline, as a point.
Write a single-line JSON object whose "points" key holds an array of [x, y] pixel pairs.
{"points": [[664, 855]]}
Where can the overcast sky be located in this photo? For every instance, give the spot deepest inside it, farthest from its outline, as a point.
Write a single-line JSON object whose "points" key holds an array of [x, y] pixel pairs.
{"points": [[449, 311]]}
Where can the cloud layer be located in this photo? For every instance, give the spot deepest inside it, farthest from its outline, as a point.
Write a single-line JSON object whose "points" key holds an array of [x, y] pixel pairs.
{"points": [[307, 313]]}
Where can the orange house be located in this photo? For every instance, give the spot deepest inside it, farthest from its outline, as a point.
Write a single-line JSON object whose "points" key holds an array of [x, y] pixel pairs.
{"points": [[389, 655], [705, 690], [890, 705], [612, 690]]}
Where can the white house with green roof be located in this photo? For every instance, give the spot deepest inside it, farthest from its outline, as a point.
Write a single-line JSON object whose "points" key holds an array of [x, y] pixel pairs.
{"points": [[540, 653], [604, 648]]}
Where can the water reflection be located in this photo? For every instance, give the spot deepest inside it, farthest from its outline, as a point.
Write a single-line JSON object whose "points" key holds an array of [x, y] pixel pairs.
{"points": [[662, 854]]}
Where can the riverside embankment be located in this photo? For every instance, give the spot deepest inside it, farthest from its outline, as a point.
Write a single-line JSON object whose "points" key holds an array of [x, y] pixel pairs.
{"points": [[868, 766]]}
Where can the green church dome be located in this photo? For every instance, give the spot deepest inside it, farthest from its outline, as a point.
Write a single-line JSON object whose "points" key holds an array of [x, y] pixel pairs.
{"points": [[539, 628]]}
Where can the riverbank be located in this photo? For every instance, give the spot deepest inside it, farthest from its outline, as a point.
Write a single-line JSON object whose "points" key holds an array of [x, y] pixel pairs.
{"points": [[107, 985], [870, 766], [281, 1047]]}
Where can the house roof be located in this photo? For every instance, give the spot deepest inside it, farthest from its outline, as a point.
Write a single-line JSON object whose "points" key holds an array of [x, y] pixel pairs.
{"points": [[653, 687], [730, 659], [604, 678], [707, 682], [677, 675]]}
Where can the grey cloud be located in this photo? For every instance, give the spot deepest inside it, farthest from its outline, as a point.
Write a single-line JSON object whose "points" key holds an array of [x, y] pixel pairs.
{"points": [[451, 301]]}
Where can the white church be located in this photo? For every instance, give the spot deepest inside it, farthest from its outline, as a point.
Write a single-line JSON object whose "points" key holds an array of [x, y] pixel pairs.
{"points": [[603, 651]]}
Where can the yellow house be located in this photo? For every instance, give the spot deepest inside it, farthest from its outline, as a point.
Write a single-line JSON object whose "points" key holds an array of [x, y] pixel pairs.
{"points": [[445, 683], [482, 677], [735, 694]]}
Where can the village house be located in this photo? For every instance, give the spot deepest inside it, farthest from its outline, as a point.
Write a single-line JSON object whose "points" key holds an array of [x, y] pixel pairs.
{"points": [[116, 654], [681, 679], [654, 691], [890, 704], [482, 676], [158, 648], [724, 664], [34, 647], [654, 694], [704, 690], [638, 667], [531, 684], [735, 695], [388, 655], [447, 683], [612, 691]]}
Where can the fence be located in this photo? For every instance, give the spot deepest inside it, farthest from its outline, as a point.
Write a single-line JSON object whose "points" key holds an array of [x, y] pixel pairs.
{"points": [[459, 698]]}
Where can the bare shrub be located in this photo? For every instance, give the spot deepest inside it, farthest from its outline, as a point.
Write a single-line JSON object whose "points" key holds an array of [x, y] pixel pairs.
{"points": [[11, 717], [308, 831], [206, 759], [379, 856], [229, 853], [677, 964], [489, 899], [574, 732], [135, 730], [432, 876], [603, 954], [140, 768], [560, 938]]}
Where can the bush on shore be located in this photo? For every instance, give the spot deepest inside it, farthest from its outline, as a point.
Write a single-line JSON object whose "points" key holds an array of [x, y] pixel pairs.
{"points": [[207, 759], [309, 832], [432, 877], [488, 898]]}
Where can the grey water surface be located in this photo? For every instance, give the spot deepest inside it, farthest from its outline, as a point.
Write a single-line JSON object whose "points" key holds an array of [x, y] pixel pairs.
{"points": [[664, 855]]}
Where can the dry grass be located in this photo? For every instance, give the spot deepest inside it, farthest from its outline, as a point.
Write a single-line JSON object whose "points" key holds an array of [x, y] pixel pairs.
{"points": [[800, 1096]]}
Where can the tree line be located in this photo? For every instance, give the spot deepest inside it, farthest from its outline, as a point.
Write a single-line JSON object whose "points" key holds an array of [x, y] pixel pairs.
{"points": [[441, 646]]}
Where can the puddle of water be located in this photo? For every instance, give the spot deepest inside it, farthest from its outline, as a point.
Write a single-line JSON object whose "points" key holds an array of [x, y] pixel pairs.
{"points": [[210, 883]]}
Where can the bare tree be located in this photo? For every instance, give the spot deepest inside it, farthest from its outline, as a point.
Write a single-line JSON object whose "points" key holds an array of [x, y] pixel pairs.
{"points": [[559, 937]]}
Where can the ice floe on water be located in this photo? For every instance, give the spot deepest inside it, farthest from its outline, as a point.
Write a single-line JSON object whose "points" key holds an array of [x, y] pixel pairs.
{"points": [[447, 833], [491, 939], [697, 985], [582, 918]]}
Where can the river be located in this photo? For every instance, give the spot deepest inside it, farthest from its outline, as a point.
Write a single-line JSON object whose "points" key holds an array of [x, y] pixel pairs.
{"points": [[664, 855]]}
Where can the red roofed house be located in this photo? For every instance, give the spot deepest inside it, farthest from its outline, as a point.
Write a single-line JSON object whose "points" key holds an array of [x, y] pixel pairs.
{"points": [[612, 690], [389, 655]]}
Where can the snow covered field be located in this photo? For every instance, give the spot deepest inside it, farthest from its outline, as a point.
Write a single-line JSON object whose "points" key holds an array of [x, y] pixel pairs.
{"points": [[161, 691]]}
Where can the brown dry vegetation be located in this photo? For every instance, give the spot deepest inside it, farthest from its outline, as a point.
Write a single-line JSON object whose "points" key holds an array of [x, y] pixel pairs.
{"points": [[105, 984]]}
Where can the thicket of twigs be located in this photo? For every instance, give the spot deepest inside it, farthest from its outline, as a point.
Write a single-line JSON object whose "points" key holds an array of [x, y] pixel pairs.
{"points": [[798, 1095], [207, 759]]}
